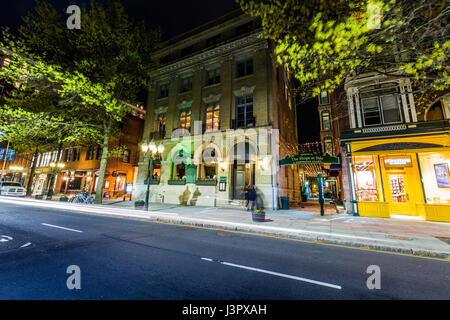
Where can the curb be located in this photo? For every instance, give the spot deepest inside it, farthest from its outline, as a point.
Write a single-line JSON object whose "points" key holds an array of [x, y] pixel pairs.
{"points": [[420, 252]]}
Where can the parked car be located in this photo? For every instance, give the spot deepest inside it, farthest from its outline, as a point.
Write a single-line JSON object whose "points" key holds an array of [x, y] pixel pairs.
{"points": [[13, 189]]}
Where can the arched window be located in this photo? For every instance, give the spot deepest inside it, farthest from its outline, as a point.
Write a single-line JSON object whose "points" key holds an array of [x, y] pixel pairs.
{"points": [[435, 112], [209, 164], [326, 121]]}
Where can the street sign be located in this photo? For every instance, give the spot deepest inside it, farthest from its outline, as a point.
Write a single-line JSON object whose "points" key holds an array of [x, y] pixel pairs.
{"points": [[9, 157], [223, 179]]}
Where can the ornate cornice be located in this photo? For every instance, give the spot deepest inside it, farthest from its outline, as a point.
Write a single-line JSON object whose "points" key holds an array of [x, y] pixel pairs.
{"points": [[250, 42], [212, 98], [185, 104], [161, 110], [244, 90]]}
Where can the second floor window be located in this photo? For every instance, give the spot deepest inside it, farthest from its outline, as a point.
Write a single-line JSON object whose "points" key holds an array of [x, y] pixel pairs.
{"points": [[90, 153], [380, 105], [244, 112], [163, 91], [212, 76], [324, 97], [126, 156], [161, 124], [184, 119], [326, 123], [99, 152], [69, 153], [76, 154], [212, 116], [186, 84], [244, 67]]}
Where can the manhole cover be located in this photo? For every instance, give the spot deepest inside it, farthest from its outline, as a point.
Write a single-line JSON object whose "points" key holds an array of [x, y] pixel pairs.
{"points": [[392, 236], [446, 240]]}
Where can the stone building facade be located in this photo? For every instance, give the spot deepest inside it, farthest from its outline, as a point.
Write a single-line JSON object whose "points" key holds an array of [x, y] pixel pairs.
{"points": [[225, 113]]}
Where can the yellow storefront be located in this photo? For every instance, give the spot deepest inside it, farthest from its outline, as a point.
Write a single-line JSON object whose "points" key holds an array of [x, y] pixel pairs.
{"points": [[406, 175]]}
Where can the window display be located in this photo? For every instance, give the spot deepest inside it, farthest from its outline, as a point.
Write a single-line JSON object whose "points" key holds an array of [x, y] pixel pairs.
{"points": [[365, 178], [435, 175]]}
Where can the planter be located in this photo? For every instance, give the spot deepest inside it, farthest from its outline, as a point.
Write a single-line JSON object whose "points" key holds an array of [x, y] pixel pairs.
{"points": [[206, 182], [139, 204], [152, 181], [176, 182], [258, 216], [65, 199], [38, 197]]}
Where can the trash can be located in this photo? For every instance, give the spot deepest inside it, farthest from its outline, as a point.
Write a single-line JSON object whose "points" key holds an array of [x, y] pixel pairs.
{"points": [[285, 203]]}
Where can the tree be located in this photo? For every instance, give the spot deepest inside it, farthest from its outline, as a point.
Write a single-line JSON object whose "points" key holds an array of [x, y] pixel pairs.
{"points": [[105, 63], [324, 42]]}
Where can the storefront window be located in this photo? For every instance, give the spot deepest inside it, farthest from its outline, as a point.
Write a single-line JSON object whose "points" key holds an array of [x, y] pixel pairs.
{"points": [[365, 178], [436, 178]]}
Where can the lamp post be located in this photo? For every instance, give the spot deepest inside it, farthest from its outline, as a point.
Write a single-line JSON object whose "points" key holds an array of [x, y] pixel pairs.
{"points": [[153, 151]]}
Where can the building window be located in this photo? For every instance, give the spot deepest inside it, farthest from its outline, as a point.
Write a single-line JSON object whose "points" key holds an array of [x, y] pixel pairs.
{"points": [[208, 169], [161, 125], [45, 159], [244, 112], [184, 119], [163, 90], [76, 154], [380, 105], [212, 76], [365, 178], [69, 153], [90, 153], [186, 84], [212, 113], [324, 97], [99, 152], [326, 123], [126, 156], [244, 67], [328, 146]]}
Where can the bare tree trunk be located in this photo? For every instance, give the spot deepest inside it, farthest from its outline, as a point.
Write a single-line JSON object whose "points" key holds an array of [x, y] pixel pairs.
{"points": [[103, 164], [33, 170]]}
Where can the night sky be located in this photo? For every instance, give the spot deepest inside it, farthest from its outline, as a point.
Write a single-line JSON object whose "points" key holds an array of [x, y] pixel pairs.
{"points": [[174, 17]]}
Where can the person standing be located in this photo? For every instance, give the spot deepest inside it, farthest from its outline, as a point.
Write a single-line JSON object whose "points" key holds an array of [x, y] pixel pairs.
{"points": [[246, 191], [252, 196]]}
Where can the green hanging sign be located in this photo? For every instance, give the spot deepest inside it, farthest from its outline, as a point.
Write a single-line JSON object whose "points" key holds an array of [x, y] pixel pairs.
{"points": [[306, 158]]}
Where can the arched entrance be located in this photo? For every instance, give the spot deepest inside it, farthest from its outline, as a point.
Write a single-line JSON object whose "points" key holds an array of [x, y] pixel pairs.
{"points": [[244, 160]]}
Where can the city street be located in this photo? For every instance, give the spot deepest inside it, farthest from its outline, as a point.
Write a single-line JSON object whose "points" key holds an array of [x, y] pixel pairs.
{"points": [[122, 258]]}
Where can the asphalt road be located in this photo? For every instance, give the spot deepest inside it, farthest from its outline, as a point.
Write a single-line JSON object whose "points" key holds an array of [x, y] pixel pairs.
{"points": [[126, 259]]}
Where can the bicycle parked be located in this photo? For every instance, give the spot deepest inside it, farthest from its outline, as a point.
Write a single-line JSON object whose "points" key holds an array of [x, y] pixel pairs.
{"points": [[82, 197]]}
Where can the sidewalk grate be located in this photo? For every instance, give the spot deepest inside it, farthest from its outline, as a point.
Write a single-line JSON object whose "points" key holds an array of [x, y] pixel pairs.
{"points": [[393, 236], [446, 240]]}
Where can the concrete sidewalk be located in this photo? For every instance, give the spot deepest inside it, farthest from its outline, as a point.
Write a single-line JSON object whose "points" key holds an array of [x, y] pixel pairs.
{"points": [[399, 234]]}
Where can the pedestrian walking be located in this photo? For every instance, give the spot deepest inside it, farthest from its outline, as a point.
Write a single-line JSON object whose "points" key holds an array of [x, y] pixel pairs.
{"points": [[246, 191]]}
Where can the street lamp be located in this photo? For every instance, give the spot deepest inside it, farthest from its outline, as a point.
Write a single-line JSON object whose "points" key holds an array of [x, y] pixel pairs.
{"points": [[152, 151]]}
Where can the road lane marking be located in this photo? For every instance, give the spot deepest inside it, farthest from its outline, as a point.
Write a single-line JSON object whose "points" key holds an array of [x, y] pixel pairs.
{"points": [[4, 238], [26, 245], [207, 259], [288, 276], [53, 226]]}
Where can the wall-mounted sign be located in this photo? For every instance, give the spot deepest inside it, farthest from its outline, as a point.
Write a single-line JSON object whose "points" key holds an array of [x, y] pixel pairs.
{"points": [[222, 186], [442, 175], [398, 162], [305, 158], [223, 179]]}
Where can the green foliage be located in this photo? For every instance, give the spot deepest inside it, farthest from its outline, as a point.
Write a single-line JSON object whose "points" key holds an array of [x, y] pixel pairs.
{"points": [[324, 42]]}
